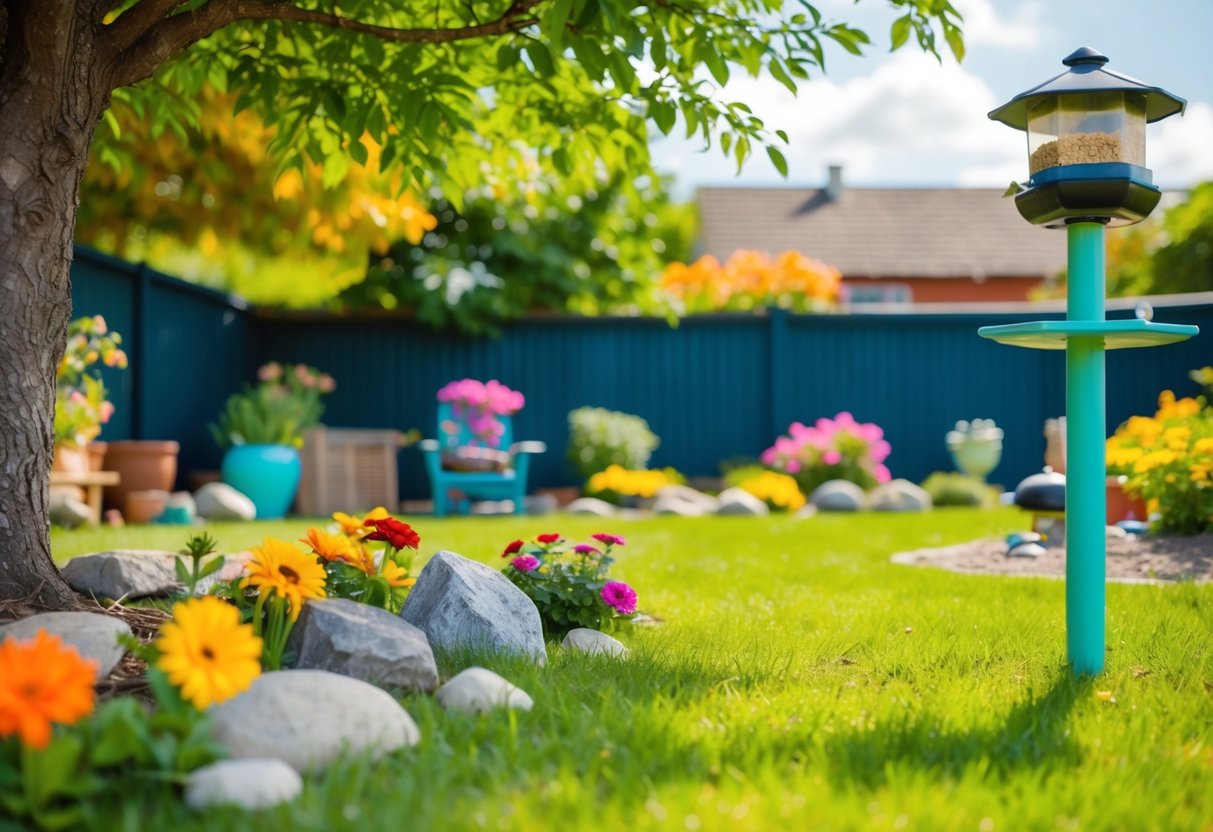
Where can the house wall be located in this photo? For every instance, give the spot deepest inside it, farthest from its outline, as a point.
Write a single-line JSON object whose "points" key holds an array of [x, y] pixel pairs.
{"points": [[954, 290]]}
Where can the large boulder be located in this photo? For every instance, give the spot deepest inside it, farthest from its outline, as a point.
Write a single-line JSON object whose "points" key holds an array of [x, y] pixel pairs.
{"points": [[739, 502], [69, 512], [309, 718], [364, 642], [591, 507], [219, 501], [460, 603], [123, 573], [838, 495], [477, 690], [250, 784], [93, 634], [899, 495]]}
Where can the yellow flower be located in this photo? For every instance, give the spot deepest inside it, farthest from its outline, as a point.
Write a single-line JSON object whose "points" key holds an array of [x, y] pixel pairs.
{"points": [[1153, 460], [330, 546], [1177, 437], [1200, 471], [642, 483], [207, 653], [397, 575], [278, 566], [777, 489], [355, 527], [1203, 446]]}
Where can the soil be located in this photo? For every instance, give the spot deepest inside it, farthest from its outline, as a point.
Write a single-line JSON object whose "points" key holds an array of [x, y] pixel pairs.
{"points": [[1130, 559]]}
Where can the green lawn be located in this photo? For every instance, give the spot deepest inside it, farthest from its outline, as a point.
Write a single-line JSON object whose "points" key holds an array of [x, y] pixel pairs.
{"points": [[799, 681]]}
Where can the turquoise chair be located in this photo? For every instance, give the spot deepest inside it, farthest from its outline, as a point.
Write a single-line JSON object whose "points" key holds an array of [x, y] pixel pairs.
{"points": [[509, 484]]}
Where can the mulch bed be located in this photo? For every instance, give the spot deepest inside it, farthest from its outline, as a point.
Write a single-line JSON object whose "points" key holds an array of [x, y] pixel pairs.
{"points": [[1130, 560]]}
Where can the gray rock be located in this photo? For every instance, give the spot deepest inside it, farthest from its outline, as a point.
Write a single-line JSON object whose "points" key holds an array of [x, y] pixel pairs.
{"points": [[585, 640], [233, 567], [806, 511], [540, 505], [364, 642], [460, 603], [250, 784], [93, 634], [899, 495], [122, 573], [477, 690], [309, 718], [738, 501], [679, 508], [70, 513], [686, 494], [591, 507], [838, 495], [219, 501]]}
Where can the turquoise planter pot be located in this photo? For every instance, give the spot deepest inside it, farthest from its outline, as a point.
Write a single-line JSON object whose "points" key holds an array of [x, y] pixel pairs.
{"points": [[267, 474]]}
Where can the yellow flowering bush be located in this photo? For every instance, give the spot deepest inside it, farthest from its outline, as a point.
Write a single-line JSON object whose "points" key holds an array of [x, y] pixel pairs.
{"points": [[617, 484], [751, 280], [779, 491], [1168, 459]]}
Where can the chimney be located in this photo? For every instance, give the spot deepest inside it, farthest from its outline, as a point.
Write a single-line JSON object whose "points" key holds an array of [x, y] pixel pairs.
{"points": [[834, 186]]}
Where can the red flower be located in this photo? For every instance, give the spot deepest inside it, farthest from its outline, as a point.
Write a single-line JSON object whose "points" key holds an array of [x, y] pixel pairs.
{"points": [[548, 538], [396, 533], [513, 549]]}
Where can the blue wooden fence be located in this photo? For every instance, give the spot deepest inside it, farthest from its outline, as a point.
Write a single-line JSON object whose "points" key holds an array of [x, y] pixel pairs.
{"points": [[713, 388]]}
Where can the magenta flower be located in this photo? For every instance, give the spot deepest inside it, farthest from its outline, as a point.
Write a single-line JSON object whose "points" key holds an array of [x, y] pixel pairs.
{"points": [[619, 595], [609, 539], [831, 457], [527, 563], [585, 549]]}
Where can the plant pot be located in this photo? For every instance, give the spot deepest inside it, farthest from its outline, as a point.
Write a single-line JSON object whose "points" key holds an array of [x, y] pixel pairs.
{"points": [[143, 507], [1121, 506], [70, 459], [142, 465], [96, 455], [266, 474]]}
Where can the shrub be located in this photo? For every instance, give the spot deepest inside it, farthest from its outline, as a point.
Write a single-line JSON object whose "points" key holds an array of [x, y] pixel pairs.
{"points": [[275, 412], [599, 438], [779, 491], [619, 485], [832, 449], [569, 585], [1168, 459], [951, 488]]}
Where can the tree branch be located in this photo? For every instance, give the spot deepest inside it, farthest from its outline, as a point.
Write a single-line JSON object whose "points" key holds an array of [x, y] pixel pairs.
{"points": [[176, 32], [134, 23]]}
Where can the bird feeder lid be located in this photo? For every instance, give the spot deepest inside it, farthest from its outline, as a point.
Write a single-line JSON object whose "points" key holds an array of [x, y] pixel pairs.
{"points": [[1086, 74]]}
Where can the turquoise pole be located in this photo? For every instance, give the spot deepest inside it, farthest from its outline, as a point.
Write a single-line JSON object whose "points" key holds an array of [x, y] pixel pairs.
{"points": [[1086, 545]]}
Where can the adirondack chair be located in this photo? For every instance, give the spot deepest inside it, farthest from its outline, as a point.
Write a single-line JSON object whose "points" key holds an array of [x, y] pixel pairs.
{"points": [[509, 484]]}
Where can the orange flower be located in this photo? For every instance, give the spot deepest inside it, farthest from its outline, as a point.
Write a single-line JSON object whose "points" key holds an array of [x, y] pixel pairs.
{"points": [[329, 546], [355, 527], [42, 681]]}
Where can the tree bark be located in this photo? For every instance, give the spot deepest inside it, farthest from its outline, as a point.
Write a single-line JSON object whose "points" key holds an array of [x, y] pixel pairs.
{"points": [[50, 104]]}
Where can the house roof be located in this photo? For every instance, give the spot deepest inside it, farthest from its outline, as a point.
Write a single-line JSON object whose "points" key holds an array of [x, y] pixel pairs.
{"points": [[884, 232]]}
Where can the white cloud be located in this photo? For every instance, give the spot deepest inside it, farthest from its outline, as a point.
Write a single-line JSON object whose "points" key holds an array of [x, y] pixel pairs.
{"points": [[1178, 149], [983, 26]]}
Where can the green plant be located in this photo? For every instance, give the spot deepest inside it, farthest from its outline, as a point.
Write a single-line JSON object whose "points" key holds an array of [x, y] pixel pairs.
{"points": [[196, 548], [81, 406], [569, 584], [599, 438], [951, 488], [275, 412]]}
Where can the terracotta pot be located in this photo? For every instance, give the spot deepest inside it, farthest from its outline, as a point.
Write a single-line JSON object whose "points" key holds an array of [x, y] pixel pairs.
{"points": [[70, 459], [1120, 505], [96, 455], [144, 465], [143, 506]]}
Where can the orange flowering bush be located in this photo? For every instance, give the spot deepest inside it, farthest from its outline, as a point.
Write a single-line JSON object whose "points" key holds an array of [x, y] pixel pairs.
{"points": [[1168, 459], [354, 571], [751, 280]]}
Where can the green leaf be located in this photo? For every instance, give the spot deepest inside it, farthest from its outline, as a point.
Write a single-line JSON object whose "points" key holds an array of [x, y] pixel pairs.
{"points": [[183, 571], [48, 772], [212, 566], [541, 58], [554, 23], [779, 74], [507, 57], [664, 115], [900, 32], [955, 40], [777, 159]]}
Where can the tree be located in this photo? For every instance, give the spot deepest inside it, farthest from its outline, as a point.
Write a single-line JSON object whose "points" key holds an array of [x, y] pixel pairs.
{"points": [[474, 91]]}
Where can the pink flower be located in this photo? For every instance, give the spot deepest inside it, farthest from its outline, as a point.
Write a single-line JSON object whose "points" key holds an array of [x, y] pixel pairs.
{"points": [[619, 595], [768, 456], [881, 450], [270, 372], [609, 539], [525, 563], [105, 412], [327, 385], [548, 538], [585, 549], [831, 457], [792, 466], [882, 474], [99, 325]]}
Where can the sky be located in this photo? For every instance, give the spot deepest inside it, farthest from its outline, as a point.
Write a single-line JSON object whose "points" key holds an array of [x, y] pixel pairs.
{"points": [[904, 119]]}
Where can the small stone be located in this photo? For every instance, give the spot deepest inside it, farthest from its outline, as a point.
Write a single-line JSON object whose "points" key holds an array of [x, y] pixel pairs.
{"points": [[585, 640], [477, 690], [219, 501], [460, 603], [93, 634], [686, 494], [806, 511], [123, 573], [250, 784], [1026, 550], [309, 718], [540, 505], [591, 507], [838, 495], [739, 502], [179, 508], [68, 512], [364, 642], [899, 495]]}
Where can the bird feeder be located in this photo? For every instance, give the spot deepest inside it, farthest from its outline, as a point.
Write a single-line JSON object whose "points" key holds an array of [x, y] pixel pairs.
{"points": [[1086, 131]]}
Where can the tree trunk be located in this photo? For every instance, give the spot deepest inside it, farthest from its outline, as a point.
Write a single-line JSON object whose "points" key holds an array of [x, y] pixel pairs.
{"points": [[50, 103]]}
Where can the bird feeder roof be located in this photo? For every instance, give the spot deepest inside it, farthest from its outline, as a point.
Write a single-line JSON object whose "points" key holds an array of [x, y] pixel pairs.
{"points": [[1086, 74]]}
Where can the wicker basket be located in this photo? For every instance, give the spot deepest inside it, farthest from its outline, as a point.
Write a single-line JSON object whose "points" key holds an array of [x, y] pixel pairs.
{"points": [[350, 470]]}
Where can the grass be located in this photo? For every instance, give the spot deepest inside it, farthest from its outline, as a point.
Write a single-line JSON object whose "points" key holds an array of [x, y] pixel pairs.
{"points": [[800, 681]]}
